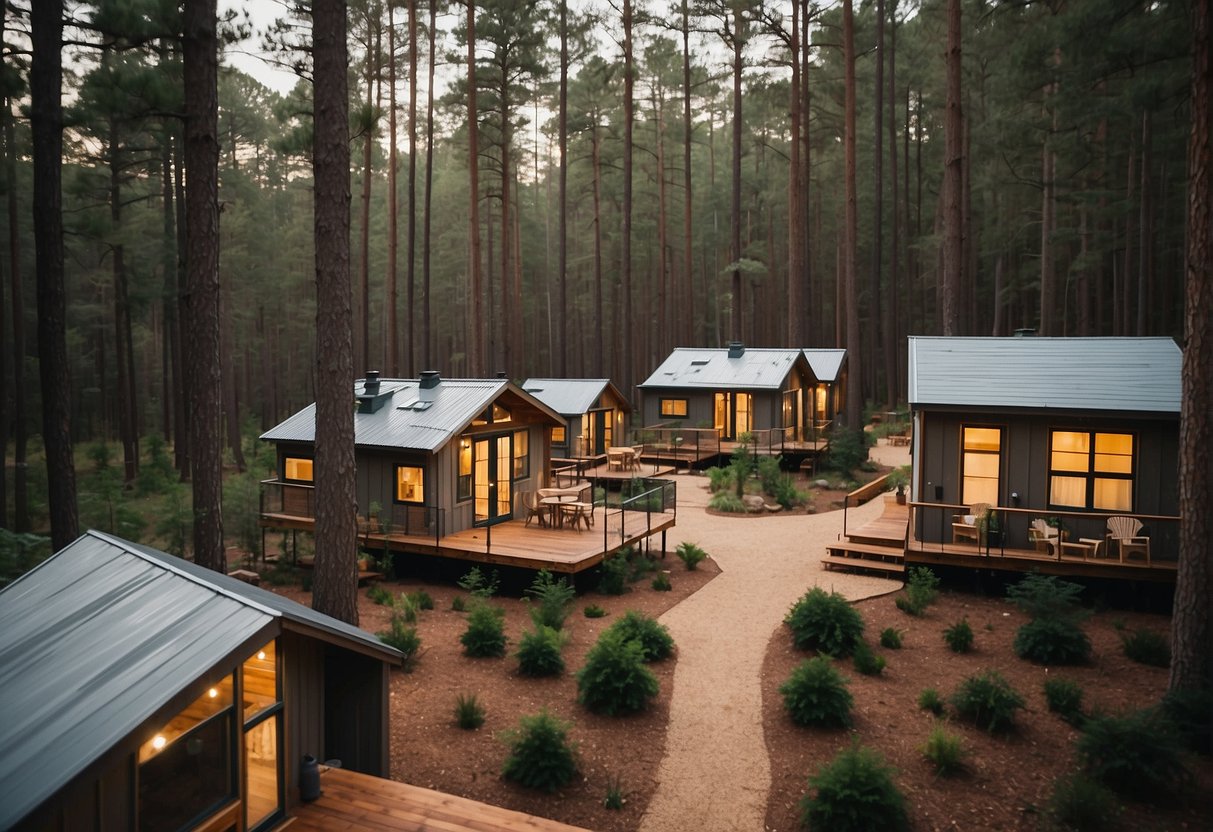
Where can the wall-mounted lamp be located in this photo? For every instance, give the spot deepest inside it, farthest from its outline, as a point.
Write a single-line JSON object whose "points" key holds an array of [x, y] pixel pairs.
{"points": [[1015, 497]]}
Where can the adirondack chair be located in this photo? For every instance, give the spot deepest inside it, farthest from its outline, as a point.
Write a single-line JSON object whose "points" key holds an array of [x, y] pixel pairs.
{"points": [[1047, 538], [967, 526], [1125, 532]]}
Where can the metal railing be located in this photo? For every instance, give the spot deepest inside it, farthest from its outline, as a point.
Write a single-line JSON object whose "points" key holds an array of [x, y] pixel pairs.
{"points": [[292, 499], [633, 515]]}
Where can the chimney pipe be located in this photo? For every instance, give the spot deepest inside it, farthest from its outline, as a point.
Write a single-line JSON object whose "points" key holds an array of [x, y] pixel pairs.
{"points": [[501, 374], [429, 379], [1025, 332], [736, 349], [370, 384]]}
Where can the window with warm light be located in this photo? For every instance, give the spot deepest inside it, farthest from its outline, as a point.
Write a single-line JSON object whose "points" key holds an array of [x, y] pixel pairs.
{"points": [[410, 484], [982, 463], [522, 459], [558, 436], [463, 475], [298, 469], [261, 714], [674, 408], [1091, 470]]}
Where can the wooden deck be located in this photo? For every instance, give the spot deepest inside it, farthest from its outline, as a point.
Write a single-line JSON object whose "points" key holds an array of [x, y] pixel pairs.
{"points": [[919, 553], [361, 803], [876, 546], [514, 543]]}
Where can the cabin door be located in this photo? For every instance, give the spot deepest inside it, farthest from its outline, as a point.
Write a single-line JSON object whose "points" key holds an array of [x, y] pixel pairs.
{"points": [[733, 413], [598, 431], [493, 466]]}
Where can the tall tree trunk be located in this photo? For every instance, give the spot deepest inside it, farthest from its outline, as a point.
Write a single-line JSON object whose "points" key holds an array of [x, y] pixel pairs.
{"points": [[625, 242], [128, 432], [812, 322], [335, 591], [21, 521], [427, 355], [392, 362], [1048, 220], [364, 231], [231, 382], [953, 243], [46, 122], [735, 204], [600, 312], [854, 409], [795, 324], [879, 333], [662, 332], [688, 267], [1145, 228], [562, 129], [475, 321], [412, 231], [1191, 663], [511, 305], [202, 279], [168, 300], [181, 367], [892, 318]]}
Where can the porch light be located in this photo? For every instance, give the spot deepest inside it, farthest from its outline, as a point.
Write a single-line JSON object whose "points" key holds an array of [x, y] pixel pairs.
{"points": [[261, 655], [158, 742], [212, 693]]}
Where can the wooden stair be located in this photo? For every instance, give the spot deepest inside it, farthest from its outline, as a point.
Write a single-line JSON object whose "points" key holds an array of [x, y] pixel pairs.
{"points": [[878, 546]]}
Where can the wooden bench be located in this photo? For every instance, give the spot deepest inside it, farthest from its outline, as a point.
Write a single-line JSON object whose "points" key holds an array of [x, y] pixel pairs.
{"points": [[899, 439], [246, 575]]}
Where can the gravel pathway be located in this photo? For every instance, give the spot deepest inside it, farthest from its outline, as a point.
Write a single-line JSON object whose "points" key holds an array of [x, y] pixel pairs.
{"points": [[715, 774]]}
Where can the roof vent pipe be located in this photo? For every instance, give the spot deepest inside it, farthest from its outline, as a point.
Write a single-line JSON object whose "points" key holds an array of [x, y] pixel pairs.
{"points": [[370, 384], [1025, 332], [429, 379], [736, 349], [501, 374]]}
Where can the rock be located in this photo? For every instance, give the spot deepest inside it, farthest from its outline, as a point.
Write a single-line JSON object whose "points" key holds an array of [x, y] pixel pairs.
{"points": [[772, 507], [753, 503], [821, 483]]}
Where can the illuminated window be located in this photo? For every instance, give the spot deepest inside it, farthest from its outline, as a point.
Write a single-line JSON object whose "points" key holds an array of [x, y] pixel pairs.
{"points": [[674, 408], [558, 436], [495, 414], [982, 462], [298, 469], [463, 478], [1091, 470], [522, 459], [410, 484]]}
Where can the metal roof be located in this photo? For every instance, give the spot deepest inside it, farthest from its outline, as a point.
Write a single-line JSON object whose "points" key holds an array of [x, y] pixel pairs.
{"points": [[825, 364], [571, 396], [412, 417], [99, 637], [757, 368], [1139, 375]]}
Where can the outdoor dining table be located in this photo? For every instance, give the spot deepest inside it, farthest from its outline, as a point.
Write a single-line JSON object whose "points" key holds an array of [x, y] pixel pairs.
{"points": [[621, 457]]}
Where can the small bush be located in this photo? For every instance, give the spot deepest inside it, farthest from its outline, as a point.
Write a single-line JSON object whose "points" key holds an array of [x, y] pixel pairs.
{"points": [[614, 799], [1064, 697], [866, 660], [1147, 647], [655, 639], [404, 638], [930, 700], [458, 604], [959, 636], [479, 585], [662, 582], [379, 594], [726, 502], [890, 637], [945, 750], [691, 555], [825, 621], [988, 701], [614, 679], [1082, 804], [485, 635], [594, 611], [906, 605], [613, 575], [1052, 641], [854, 792], [816, 694], [719, 478], [405, 606], [847, 448], [1135, 754], [551, 598], [540, 754], [469, 713], [1047, 596], [1191, 712], [422, 599], [922, 588], [539, 652]]}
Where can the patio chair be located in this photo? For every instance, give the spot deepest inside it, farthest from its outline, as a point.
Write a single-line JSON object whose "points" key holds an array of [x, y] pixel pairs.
{"points": [[1047, 538], [966, 526], [1125, 531], [534, 508]]}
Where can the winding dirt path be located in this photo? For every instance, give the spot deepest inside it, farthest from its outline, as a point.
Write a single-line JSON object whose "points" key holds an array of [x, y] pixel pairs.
{"points": [[715, 774]]}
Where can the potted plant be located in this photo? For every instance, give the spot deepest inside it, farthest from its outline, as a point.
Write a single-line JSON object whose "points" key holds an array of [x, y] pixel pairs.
{"points": [[990, 529], [899, 478]]}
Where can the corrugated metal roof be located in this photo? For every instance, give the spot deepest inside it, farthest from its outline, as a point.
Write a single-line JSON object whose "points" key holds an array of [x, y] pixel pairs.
{"points": [[102, 635], [570, 396], [1109, 374], [825, 364], [757, 368], [453, 404]]}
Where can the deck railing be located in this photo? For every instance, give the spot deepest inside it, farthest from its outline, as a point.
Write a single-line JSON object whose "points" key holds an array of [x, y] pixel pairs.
{"points": [[633, 515], [298, 500], [293, 499]]}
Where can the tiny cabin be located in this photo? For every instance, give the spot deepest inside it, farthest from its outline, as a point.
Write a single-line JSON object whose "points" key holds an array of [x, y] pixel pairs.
{"points": [[594, 410], [733, 390], [143, 692], [829, 393], [1070, 432], [434, 456]]}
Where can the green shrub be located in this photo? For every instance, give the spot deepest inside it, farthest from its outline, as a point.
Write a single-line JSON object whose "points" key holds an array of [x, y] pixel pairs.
{"points": [[379, 594], [866, 660], [422, 600], [614, 799], [816, 694], [539, 652], [552, 599], [890, 637], [825, 621], [1052, 641], [1191, 712], [1135, 754], [847, 448], [404, 638], [406, 607], [690, 554], [540, 754], [613, 575], [485, 635], [906, 605], [458, 604], [655, 639], [945, 750], [594, 611], [988, 700], [930, 700], [854, 792], [1082, 804], [469, 713], [1064, 697], [1147, 647], [662, 582], [959, 636], [719, 479], [1047, 596], [641, 566], [614, 679], [479, 585], [726, 502]]}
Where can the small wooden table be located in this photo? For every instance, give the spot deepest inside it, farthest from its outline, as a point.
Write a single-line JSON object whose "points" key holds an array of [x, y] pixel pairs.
{"points": [[577, 513]]}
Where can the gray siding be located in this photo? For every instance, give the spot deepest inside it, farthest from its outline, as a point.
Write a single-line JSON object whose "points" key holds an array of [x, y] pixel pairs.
{"points": [[303, 705]]}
